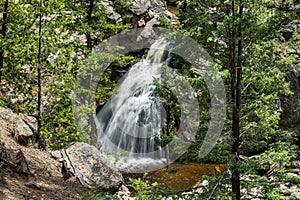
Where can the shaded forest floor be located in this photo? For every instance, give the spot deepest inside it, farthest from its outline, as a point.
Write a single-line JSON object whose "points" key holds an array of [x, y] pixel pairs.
{"points": [[45, 181]]}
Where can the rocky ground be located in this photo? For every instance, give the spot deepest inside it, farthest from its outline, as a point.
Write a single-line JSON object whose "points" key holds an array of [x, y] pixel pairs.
{"points": [[72, 173], [43, 179]]}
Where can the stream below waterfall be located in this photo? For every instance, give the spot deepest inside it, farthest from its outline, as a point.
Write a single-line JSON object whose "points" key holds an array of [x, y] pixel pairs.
{"points": [[180, 175]]}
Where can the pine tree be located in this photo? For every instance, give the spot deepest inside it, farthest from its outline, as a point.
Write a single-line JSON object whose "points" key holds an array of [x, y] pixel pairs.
{"points": [[233, 32]]}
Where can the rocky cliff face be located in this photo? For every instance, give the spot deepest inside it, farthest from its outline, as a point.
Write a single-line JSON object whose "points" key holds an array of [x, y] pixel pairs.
{"points": [[292, 102], [294, 79], [147, 13]]}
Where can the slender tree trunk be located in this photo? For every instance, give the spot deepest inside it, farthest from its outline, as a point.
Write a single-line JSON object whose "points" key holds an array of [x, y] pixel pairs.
{"points": [[232, 56], [88, 35], [236, 89], [39, 138], [236, 84], [3, 33]]}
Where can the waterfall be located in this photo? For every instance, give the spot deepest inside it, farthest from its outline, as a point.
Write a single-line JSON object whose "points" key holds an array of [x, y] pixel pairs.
{"points": [[132, 120]]}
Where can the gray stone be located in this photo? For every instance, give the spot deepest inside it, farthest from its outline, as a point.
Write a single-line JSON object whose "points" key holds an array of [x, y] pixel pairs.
{"points": [[157, 7], [56, 154], [287, 191], [148, 31], [109, 8], [22, 126], [91, 167], [31, 122], [148, 12], [124, 193], [23, 133], [139, 7], [13, 158]]}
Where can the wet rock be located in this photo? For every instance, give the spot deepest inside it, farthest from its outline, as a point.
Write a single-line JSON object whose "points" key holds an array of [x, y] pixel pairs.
{"points": [[91, 167]]}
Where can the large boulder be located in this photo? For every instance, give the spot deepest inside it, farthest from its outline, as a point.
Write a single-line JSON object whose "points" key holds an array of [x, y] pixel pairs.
{"points": [[22, 127], [91, 167]]}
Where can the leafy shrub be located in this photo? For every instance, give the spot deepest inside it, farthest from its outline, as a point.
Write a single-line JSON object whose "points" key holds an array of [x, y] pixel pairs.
{"points": [[98, 195], [145, 190]]}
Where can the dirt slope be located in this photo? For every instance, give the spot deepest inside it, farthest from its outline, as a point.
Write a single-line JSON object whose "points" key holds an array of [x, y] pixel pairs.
{"points": [[46, 180]]}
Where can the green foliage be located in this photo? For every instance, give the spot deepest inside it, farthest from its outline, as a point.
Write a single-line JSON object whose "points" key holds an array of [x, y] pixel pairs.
{"points": [[294, 180], [98, 195], [64, 26], [145, 190], [171, 96], [71, 29], [265, 68], [164, 21], [172, 170], [18, 46]]}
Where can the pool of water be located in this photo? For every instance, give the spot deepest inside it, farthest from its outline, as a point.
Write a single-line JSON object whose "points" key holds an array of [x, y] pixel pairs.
{"points": [[180, 175]]}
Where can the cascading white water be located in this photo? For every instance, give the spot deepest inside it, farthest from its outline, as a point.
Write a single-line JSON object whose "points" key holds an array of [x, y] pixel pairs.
{"points": [[132, 120]]}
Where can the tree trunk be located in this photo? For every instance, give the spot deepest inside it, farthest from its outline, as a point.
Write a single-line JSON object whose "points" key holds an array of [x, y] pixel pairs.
{"points": [[38, 137], [3, 32], [236, 89], [89, 43]]}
